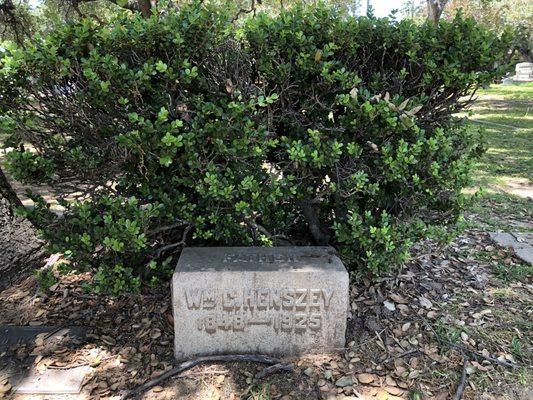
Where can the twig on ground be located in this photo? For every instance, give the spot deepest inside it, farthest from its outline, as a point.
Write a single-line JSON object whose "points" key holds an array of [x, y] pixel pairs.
{"points": [[93, 363], [190, 375], [462, 383], [402, 354], [359, 345], [166, 228], [273, 369], [259, 358], [54, 331], [464, 349], [479, 355]]}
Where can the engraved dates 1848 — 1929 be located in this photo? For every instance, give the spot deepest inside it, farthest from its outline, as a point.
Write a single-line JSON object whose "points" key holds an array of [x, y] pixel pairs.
{"points": [[278, 301]]}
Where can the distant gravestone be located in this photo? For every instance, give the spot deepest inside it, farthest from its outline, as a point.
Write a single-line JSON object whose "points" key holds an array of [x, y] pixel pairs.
{"points": [[278, 301], [524, 72]]}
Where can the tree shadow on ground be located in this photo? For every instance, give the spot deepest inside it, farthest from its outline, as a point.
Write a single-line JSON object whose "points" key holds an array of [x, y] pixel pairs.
{"points": [[397, 334]]}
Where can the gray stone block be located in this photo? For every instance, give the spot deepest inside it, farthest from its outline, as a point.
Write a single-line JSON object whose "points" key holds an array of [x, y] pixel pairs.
{"points": [[279, 301], [521, 243], [53, 381], [13, 335]]}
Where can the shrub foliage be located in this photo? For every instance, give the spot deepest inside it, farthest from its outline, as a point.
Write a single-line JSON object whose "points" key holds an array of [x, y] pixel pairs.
{"points": [[184, 129]]}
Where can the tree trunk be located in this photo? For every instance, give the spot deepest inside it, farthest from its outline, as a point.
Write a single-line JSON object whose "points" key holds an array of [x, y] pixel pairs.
{"points": [[20, 247], [311, 216], [435, 9], [145, 7]]}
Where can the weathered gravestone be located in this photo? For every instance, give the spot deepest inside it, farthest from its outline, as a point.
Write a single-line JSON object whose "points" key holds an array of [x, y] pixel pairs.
{"points": [[524, 72], [277, 301]]}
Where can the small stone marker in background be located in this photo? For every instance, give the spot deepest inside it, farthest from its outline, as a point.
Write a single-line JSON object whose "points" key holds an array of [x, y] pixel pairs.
{"points": [[278, 301]]}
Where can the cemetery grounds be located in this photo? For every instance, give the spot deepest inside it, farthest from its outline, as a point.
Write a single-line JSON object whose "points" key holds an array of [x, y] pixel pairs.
{"points": [[459, 315]]}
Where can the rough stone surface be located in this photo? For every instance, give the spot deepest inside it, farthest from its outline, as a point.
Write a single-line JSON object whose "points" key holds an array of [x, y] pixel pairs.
{"points": [[279, 301], [521, 243], [53, 381], [14, 335]]}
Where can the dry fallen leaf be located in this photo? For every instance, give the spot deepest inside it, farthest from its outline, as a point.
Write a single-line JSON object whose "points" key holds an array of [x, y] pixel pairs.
{"points": [[365, 378], [4, 388], [395, 391], [41, 368], [425, 302], [374, 148], [382, 395], [398, 298], [414, 110], [403, 105], [389, 305]]}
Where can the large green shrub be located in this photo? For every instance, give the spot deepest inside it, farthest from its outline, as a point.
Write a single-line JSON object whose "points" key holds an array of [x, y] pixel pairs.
{"points": [[364, 119], [182, 129]]}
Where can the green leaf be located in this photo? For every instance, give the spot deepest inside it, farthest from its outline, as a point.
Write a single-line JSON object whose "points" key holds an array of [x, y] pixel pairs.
{"points": [[165, 160], [160, 66]]}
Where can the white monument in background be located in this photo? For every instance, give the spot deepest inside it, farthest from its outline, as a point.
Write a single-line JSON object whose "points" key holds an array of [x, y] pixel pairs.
{"points": [[524, 72]]}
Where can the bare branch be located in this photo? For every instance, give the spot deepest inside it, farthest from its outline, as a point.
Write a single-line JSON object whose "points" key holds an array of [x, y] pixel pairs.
{"points": [[192, 363]]}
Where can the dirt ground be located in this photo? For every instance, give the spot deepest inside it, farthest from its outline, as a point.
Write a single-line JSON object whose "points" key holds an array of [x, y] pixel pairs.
{"points": [[408, 337]]}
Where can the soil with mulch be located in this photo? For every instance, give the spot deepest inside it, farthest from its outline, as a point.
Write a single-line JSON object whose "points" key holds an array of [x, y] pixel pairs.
{"points": [[449, 316]]}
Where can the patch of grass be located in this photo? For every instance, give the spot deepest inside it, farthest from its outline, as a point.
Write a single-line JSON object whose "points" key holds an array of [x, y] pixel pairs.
{"points": [[507, 212], [503, 384], [521, 272], [516, 347], [506, 113], [260, 391], [504, 331], [508, 331], [506, 293], [504, 268], [520, 91], [505, 173], [448, 332]]}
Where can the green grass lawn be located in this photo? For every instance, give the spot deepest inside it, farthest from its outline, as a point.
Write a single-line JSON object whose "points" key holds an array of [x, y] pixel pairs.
{"points": [[505, 173]]}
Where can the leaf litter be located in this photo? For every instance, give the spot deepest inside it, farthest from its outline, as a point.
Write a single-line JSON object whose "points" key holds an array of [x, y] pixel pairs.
{"points": [[407, 336]]}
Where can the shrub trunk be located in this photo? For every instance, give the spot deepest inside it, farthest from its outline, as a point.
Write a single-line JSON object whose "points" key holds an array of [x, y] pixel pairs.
{"points": [[20, 247]]}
